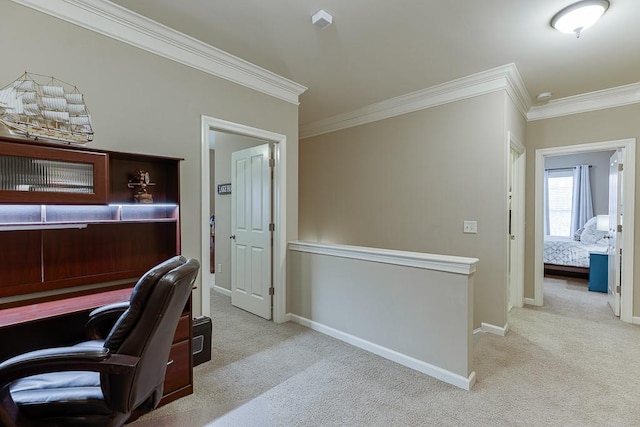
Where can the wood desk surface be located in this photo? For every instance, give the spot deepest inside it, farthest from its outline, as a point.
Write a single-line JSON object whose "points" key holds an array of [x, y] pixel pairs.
{"points": [[44, 310]]}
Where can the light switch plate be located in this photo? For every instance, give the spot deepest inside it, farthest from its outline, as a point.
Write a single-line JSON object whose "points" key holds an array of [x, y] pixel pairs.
{"points": [[470, 227]]}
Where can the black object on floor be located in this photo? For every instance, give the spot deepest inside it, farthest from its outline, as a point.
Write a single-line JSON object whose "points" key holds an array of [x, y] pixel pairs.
{"points": [[201, 340]]}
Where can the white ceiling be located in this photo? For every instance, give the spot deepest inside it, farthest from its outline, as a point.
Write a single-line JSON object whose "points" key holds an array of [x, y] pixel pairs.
{"points": [[380, 49]]}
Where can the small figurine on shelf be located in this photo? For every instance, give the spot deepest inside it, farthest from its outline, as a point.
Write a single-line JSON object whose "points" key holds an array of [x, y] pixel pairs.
{"points": [[141, 181]]}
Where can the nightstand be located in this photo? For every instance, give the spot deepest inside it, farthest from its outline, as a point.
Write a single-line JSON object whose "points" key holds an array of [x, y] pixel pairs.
{"points": [[598, 272]]}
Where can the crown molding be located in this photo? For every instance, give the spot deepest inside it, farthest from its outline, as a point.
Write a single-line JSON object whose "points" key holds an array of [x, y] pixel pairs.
{"points": [[121, 24], [505, 77], [592, 101], [114, 21]]}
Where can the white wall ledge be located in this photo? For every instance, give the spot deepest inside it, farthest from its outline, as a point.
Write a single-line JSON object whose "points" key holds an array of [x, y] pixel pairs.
{"points": [[437, 262]]}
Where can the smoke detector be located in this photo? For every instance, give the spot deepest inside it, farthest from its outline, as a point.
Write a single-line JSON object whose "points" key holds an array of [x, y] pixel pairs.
{"points": [[544, 96], [322, 19]]}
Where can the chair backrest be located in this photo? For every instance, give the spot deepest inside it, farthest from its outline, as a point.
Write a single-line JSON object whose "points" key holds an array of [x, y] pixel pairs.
{"points": [[137, 300], [146, 330]]}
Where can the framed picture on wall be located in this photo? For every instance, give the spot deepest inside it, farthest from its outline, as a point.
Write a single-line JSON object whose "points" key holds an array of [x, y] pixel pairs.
{"points": [[224, 188]]}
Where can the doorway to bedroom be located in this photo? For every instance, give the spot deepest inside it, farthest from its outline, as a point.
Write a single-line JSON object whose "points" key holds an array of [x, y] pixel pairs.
{"points": [[578, 229], [576, 195]]}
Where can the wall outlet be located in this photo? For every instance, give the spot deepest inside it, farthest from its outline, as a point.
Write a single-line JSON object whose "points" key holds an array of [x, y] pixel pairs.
{"points": [[219, 268], [470, 227]]}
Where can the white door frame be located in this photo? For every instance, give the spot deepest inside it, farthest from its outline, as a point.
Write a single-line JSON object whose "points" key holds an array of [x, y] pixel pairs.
{"points": [[279, 208], [516, 279], [628, 212]]}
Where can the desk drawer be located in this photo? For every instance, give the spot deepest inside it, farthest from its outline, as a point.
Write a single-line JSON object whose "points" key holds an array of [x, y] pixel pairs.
{"points": [[182, 331], [178, 371]]}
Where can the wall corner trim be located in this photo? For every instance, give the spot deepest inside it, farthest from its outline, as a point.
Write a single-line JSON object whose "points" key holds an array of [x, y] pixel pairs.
{"points": [[426, 368], [447, 263], [116, 22], [495, 330], [505, 78]]}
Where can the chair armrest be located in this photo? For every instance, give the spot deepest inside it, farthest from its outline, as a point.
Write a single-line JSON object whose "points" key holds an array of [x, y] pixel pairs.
{"points": [[102, 319], [76, 358]]}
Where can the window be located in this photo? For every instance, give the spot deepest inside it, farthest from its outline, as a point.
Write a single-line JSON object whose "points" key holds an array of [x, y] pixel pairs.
{"points": [[560, 193]]}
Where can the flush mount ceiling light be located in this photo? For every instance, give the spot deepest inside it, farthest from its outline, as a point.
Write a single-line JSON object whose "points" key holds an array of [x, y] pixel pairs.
{"points": [[576, 18]]}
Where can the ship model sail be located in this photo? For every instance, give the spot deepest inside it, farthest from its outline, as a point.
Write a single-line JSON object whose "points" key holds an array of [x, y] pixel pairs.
{"points": [[43, 107]]}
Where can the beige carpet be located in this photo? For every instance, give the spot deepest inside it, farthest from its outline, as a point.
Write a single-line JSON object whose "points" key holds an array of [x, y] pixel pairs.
{"points": [[569, 363]]}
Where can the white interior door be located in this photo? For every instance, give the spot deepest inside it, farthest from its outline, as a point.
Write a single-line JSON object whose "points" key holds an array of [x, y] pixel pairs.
{"points": [[250, 230], [615, 232]]}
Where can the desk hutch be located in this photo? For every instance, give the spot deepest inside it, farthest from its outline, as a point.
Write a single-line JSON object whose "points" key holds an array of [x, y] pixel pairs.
{"points": [[72, 238]]}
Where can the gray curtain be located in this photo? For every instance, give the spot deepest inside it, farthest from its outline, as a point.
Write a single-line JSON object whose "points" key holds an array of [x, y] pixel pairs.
{"points": [[582, 204]]}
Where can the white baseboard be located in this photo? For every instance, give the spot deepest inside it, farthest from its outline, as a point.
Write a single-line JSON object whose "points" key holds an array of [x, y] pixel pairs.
{"points": [[493, 329], [635, 320], [530, 301], [426, 368], [221, 290]]}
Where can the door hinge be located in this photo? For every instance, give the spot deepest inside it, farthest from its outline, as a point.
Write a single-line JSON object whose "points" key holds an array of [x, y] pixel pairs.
{"points": [[620, 167], [617, 289], [271, 291], [272, 227], [272, 162], [619, 228]]}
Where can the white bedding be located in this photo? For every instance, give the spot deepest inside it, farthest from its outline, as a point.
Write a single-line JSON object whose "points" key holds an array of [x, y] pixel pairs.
{"points": [[566, 251]]}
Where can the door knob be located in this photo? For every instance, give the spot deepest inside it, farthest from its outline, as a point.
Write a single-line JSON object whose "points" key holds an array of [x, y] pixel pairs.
{"points": [[233, 236]]}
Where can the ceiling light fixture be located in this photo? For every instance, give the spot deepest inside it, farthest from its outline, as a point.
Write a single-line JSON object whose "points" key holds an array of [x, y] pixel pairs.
{"points": [[576, 18], [322, 18]]}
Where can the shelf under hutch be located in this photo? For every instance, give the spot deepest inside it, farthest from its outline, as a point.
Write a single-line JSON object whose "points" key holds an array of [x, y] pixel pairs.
{"points": [[73, 238]]}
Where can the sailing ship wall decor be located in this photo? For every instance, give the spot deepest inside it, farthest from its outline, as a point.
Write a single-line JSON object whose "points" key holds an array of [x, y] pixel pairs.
{"points": [[44, 107]]}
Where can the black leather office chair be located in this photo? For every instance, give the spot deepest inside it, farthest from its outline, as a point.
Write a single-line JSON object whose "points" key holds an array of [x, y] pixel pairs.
{"points": [[102, 382]]}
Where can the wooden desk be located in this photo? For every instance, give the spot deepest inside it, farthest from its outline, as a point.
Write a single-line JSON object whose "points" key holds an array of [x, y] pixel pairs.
{"points": [[68, 306], [52, 323], [61, 322]]}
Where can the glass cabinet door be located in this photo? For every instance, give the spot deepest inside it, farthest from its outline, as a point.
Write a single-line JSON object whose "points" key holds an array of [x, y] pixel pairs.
{"points": [[49, 175]]}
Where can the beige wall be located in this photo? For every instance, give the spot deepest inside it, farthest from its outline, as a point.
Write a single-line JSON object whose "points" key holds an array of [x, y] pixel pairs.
{"points": [[225, 145], [597, 126], [409, 182], [143, 103], [515, 122]]}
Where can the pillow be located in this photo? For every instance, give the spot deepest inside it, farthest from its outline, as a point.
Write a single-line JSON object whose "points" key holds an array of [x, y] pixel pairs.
{"points": [[591, 235], [577, 234]]}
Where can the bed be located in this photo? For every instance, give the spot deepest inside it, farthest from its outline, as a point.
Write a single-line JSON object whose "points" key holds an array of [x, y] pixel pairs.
{"points": [[570, 257]]}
